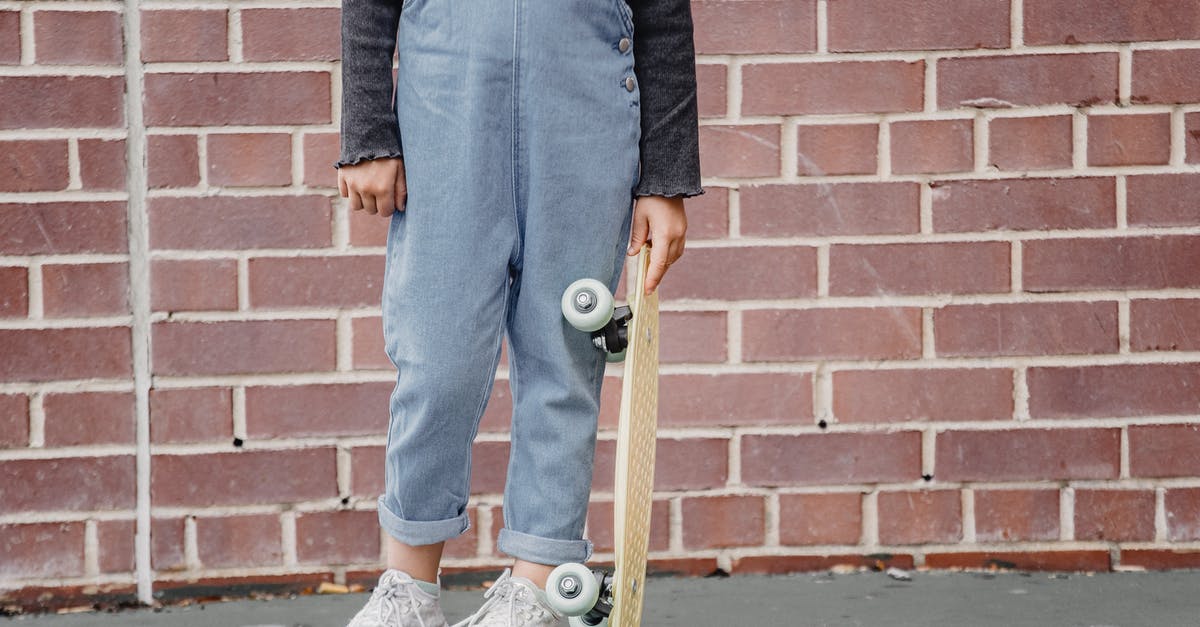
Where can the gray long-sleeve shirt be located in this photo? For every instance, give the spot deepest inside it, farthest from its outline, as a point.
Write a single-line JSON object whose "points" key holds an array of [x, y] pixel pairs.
{"points": [[664, 63]]}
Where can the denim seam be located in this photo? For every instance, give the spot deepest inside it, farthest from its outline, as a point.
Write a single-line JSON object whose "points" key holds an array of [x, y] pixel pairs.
{"points": [[516, 132]]}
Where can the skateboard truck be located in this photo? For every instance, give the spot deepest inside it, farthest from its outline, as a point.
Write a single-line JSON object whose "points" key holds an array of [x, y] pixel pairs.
{"points": [[589, 306], [585, 596]]}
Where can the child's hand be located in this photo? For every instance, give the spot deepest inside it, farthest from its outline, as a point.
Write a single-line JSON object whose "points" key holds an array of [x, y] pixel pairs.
{"points": [[375, 185], [662, 221]]}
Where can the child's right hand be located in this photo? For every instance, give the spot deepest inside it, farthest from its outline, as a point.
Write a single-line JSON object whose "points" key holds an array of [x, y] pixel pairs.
{"points": [[374, 185]]}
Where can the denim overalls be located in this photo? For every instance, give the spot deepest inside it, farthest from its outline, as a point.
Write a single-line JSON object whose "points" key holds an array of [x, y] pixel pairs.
{"points": [[520, 124]]}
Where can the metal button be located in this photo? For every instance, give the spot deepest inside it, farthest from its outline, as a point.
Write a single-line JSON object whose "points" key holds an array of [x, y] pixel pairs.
{"points": [[629, 83], [623, 46]]}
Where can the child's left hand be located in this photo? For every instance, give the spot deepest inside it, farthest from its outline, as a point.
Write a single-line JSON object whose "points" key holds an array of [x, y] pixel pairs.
{"points": [[660, 220]]}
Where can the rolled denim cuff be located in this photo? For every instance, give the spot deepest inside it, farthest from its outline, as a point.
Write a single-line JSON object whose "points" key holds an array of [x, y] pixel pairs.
{"points": [[539, 550], [420, 532]]}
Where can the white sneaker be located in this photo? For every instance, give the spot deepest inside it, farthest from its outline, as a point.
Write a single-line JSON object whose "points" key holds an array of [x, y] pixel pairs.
{"points": [[513, 602], [397, 601]]}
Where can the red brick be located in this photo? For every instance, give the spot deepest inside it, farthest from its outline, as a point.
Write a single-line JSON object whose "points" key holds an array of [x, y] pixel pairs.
{"points": [[1039, 143], [1129, 139], [1191, 138], [248, 346], [736, 273], [67, 353], [755, 26], [1016, 515], [14, 292], [465, 544], [193, 284], [78, 102], [368, 344], [1163, 200], [33, 165], [1117, 390], [922, 395], [322, 409], [806, 519], [190, 415], [831, 458], [1161, 559], [826, 150], [1164, 325], [919, 268], [86, 289], [863, 25], [305, 282], [14, 420], [320, 152], [342, 537], [800, 334], [1026, 329], [489, 466], [830, 209], [291, 34], [1049, 22], [928, 146], [734, 399], [62, 227], [116, 545], [920, 517], [600, 526], [692, 337], [841, 87], [1157, 262], [77, 37], [1183, 514], [89, 418], [10, 37], [1024, 204], [250, 159], [723, 521], [711, 95], [707, 215], [246, 540], [1164, 76], [785, 564], [244, 478], [370, 229], [745, 150], [679, 464], [1022, 560], [72, 484], [184, 35], [167, 544], [102, 164], [366, 471], [1114, 515], [1164, 450], [237, 98], [172, 161], [41, 549], [231, 222], [1028, 454], [1018, 80]]}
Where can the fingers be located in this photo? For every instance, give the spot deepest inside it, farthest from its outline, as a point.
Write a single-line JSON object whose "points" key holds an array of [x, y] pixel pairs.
{"points": [[401, 189], [657, 268], [342, 189], [638, 233]]}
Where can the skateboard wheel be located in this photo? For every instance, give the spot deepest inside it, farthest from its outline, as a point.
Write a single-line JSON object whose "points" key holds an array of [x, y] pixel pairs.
{"points": [[572, 589], [587, 305]]}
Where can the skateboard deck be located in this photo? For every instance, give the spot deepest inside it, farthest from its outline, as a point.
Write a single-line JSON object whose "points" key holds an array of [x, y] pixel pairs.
{"points": [[637, 426]]}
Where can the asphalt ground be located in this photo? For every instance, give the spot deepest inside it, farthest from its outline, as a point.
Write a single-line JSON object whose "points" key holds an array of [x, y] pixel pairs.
{"points": [[929, 599]]}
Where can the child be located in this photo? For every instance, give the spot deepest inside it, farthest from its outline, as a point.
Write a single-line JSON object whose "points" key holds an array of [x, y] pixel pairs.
{"points": [[509, 167]]}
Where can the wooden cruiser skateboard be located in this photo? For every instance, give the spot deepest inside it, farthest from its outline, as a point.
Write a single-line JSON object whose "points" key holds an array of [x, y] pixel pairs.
{"points": [[630, 333]]}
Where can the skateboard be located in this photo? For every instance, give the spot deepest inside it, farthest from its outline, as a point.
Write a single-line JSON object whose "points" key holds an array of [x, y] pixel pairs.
{"points": [[630, 334]]}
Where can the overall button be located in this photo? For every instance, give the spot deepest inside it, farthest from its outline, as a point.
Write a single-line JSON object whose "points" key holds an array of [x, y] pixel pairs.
{"points": [[629, 83], [623, 46]]}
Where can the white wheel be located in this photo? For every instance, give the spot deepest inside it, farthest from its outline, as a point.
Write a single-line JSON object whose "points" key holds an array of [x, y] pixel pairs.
{"points": [[587, 305], [572, 589]]}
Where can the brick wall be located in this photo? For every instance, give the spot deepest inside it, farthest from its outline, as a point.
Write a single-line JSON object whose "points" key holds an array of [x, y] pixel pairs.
{"points": [[940, 306]]}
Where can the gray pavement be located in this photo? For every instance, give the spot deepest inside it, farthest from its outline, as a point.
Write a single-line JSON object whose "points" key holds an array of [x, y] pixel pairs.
{"points": [[930, 599]]}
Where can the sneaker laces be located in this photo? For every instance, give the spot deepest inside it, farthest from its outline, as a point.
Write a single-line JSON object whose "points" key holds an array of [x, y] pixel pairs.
{"points": [[393, 598], [509, 604]]}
